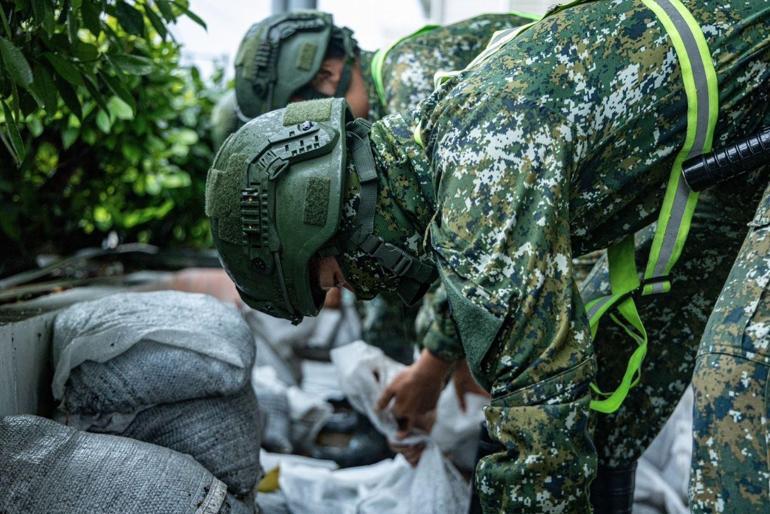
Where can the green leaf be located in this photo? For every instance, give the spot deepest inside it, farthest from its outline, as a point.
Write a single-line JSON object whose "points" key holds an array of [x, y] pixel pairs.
{"points": [[93, 89], [70, 97], [73, 24], [165, 9], [156, 22], [91, 12], [120, 109], [28, 103], [45, 88], [89, 136], [65, 69], [43, 13], [16, 64], [69, 136], [132, 64], [131, 152], [103, 122], [194, 17], [13, 133], [85, 51], [185, 137], [119, 89], [35, 127], [130, 18]]}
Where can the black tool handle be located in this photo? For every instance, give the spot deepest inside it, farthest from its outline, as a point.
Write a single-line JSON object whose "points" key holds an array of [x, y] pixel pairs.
{"points": [[724, 163]]}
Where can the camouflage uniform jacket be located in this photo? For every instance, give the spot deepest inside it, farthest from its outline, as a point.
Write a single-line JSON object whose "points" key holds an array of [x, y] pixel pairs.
{"points": [[410, 65], [598, 114], [407, 75]]}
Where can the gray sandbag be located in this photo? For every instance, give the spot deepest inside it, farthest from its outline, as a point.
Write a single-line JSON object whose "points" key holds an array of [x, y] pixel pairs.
{"points": [[132, 350], [222, 434], [47, 467]]}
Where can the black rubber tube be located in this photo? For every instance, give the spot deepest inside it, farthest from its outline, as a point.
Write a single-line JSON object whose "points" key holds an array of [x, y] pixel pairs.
{"points": [[709, 169]]}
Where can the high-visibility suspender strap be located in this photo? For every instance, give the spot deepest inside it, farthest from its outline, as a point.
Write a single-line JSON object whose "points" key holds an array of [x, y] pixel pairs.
{"points": [[700, 85]]}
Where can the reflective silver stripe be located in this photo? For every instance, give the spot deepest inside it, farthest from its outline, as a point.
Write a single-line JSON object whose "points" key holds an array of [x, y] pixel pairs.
{"points": [[598, 305], [672, 231], [701, 130]]}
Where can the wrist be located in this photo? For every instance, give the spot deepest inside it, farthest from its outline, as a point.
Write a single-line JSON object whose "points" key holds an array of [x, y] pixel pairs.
{"points": [[433, 367]]}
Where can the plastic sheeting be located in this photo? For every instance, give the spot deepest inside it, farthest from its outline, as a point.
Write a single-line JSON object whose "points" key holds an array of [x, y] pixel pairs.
{"points": [[664, 469], [47, 467], [306, 414], [392, 485]]}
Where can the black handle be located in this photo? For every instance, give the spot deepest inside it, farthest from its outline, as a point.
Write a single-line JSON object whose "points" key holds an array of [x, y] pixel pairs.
{"points": [[706, 170]]}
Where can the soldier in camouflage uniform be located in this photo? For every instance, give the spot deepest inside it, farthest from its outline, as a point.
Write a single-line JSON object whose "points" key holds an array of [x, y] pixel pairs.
{"points": [[559, 144], [407, 75], [730, 462]]}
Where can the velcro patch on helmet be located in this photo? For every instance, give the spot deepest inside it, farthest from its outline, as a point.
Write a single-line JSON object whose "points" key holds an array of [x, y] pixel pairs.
{"points": [[312, 110], [306, 56], [223, 187], [317, 200], [230, 229]]}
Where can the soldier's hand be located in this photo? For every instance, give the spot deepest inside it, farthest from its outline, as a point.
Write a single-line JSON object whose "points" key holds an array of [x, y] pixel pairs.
{"points": [[464, 383], [415, 391]]}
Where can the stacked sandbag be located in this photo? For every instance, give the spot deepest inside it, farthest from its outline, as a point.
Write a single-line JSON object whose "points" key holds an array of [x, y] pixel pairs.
{"points": [[168, 368], [220, 433], [47, 467]]}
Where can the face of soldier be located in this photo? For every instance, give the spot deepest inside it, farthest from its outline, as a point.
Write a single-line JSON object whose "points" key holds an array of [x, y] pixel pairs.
{"points": [[328, 78], [328, 274]]}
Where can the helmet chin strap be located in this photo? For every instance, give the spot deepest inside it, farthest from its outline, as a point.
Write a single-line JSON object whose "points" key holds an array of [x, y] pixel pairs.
{"points": [[415, 275]]}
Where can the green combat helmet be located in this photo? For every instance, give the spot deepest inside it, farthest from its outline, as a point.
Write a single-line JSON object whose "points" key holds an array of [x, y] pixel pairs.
{"points": [[279, 56], [275, 196]]}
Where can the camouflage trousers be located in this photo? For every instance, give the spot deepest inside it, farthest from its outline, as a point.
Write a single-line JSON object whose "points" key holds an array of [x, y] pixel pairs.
{"points": [[674, 324], [731, 463]]}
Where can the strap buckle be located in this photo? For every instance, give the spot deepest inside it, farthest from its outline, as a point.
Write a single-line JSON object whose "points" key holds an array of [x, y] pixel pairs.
{"points": [[391, 257]]}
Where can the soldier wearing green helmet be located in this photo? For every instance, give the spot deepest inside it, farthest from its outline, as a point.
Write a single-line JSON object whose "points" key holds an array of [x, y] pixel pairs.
{"points": [[558, 141], [274, 66], [303, 55]]}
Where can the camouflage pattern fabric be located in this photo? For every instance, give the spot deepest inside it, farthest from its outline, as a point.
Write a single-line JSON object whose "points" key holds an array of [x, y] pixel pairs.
{"points": [[434, 325], [730, 463], [409, 67], [558, 145], [674, 323], [390, 325], [407, 76]]}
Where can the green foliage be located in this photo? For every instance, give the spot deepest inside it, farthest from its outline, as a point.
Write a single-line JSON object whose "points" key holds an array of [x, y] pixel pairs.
{"points": [[102, 129]]}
